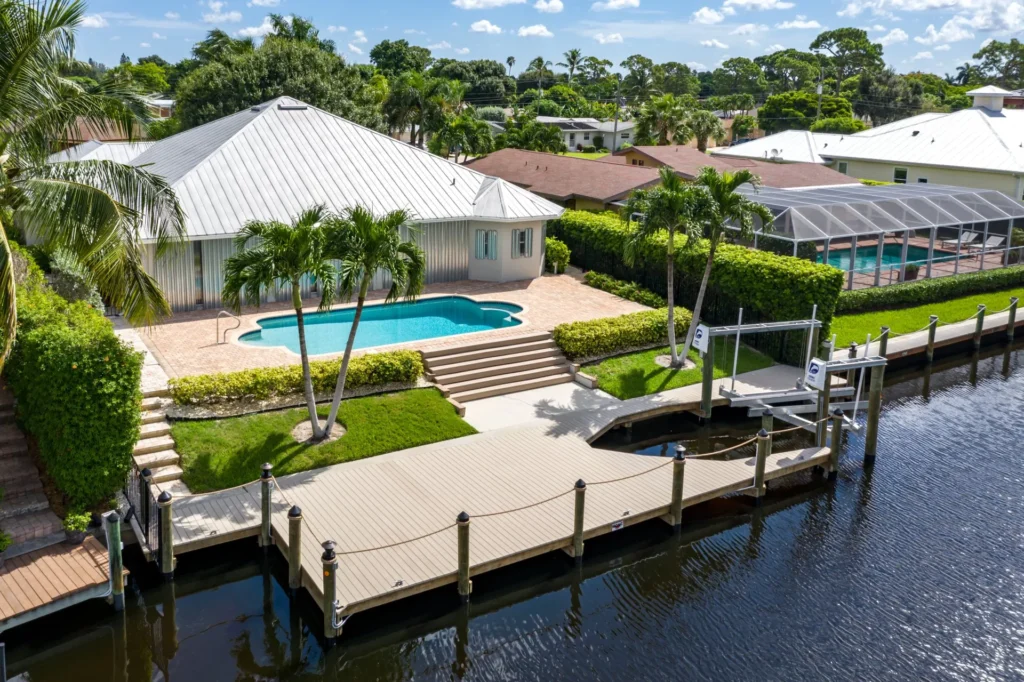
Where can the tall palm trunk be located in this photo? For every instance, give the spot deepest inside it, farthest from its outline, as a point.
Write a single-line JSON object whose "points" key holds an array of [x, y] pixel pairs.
{"points": [[343, 374], [307, 379], [700, 297], [671, 298]]}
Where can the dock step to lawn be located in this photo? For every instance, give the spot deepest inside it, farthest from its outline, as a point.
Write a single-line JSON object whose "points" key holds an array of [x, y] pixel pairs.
{"points": [[154, 430], [153, 416], [492, 368], [166, 474], [150, 404], [155, 393], [156, 460], [146, 446]]}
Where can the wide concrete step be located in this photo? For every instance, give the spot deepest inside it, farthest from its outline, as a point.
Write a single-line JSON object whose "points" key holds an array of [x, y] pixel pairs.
{"points": [[10, 434], [166, 473], [148, 445], [437, 364], [505, 389], [157, 393], [154, 430], [32, 531], [176, 488], [494, 343], [13, 449], [504, 368], [155, 460], [152, 403], [16, 504], [494, 361], [153, 416], [7, 414], [502, 379], [18, 474]]}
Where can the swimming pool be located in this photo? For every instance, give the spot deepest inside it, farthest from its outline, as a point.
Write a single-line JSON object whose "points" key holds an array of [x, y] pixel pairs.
{"points": [[383, 325], [891, 256]]}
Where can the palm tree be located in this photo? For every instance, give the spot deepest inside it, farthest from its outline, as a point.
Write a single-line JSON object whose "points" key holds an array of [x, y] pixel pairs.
{"points": [[273, 252], [300, 30], [573, 59], [218, 45], [366, 244], [672, 207], [728, 207], [511, 61], [663, 118], [98, 211], [541, 67], [704, 125]]}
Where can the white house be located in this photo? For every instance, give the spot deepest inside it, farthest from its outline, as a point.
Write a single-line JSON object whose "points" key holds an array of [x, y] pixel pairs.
{"points": [[583, 132]]}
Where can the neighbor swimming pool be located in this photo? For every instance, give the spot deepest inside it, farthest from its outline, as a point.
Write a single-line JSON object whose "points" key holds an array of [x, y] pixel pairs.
{"points": [[891, 256], [382, 325]]}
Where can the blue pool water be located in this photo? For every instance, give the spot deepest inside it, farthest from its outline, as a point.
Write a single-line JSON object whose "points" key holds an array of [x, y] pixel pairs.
{"points": [[891, 255], [382, 325]]}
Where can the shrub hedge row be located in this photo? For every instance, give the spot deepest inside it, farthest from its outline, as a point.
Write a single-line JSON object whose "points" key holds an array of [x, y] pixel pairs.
{"points": [[767, 286], [77, 386], [609, 335], [375, 369], [631, 291], [920, 292]]}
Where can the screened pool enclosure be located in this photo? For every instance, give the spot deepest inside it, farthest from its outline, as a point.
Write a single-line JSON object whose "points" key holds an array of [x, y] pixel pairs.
{"points": [[893, 233]]}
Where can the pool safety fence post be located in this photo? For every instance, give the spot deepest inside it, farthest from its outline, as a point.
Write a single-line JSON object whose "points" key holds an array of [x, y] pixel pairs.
{"points": [[294, 549], [768, 424], [979, 327], [874, 410], [330, 592], [836, 446], [115, 559], [933, 324], [708, 377], [678, 472], [166, 534], [266, 483], [577, 521], [763, 450], [465, 584], [1011, 320]]}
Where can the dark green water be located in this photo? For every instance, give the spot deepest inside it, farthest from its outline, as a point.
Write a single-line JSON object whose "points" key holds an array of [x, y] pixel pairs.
{"points": [[911, 570]]}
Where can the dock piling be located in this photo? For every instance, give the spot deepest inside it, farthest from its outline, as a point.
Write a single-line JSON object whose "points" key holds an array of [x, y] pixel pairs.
{"points": [[883, 342], [851, 376], [294, 548], [577, 524], [330, 592], [678, 471], [824, 398], [874, 410], [708, 378], [266, 482], [979, 327], [1011, 320], [763, 450], [933, 324], [115, 559], [465, 584], [166, 535], [836, 446], [768, 424]]}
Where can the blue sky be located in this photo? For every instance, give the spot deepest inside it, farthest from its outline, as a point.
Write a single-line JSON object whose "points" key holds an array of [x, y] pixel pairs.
{"points": [[927, 35]]}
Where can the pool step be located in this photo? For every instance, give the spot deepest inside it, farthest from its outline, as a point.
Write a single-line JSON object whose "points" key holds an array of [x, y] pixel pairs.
{"points": [[514, 387], [441, 374], [496, 343], [438, 363], [464, 387]]}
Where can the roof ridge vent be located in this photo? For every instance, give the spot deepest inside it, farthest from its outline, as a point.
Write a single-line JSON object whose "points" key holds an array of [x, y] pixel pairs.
{"points": [[291, 107], [254, 109]]}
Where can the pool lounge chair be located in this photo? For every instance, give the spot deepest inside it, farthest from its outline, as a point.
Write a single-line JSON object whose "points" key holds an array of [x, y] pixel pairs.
{"points": [[965, 239], [993, 242]]}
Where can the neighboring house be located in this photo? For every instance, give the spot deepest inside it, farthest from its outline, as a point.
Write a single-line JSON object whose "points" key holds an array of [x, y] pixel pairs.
{"points": [[687, 162], [159, 107], [1014, 100], [581, 184], [583, 132], [94, 150], [274, 160], [980, 147]]}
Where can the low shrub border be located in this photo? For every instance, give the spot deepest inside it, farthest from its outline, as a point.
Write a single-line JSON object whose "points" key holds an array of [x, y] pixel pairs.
{"points": [[372, 369], [924, 291], [631, 291], [589, 339]]}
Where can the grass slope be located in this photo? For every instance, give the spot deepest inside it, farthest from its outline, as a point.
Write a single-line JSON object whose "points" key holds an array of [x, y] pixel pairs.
{"points": [[586, 155], [222, 453], [636, 374], [849, 328]]}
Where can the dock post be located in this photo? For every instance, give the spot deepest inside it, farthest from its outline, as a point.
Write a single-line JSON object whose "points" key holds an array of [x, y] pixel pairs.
{"points": [[874, 410], [266, 481], [708, 377], [763, 450], [115, 560], [3, 662], [577, 523], [883, 342], [330, 600], [294, 549], [933, 324], [166, 535], [836, 447], [824, 398], [851, 375], [979, 328], [768, 424], [1011, 321], [678, 471], [146, 485], [465, 584]]}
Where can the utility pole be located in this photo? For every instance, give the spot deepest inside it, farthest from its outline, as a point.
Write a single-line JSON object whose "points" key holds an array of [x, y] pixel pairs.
{"points": [[821, 82], [615, 129]]}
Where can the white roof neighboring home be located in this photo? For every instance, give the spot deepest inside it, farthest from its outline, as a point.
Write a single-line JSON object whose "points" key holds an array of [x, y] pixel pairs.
{"points": [[273, 160], [584, 123], [94, 150], [790, 146]]}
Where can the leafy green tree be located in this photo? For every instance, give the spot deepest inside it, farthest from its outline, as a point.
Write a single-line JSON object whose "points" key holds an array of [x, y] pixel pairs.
{"points": [[464, 134], [367, 244], [300, 30], [95, 211], [738, 75], [798, 110], [662, 120], [483, 78], [573, 59], [789, 69], [145, 78], [742, 126], [496, 114], [1003, 63], [272, 253], [886, 96], [673, 78], [844, 126], [394, 57], [851, 52], [524, 132], [571, 102], [218, 46], [638, 84], [703, 126]]}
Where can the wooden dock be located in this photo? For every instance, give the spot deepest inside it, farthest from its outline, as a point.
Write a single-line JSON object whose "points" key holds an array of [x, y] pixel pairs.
{"points": [[906, 345]]}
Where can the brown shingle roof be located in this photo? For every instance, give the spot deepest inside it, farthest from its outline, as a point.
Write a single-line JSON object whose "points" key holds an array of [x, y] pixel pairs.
{"points": [[687, 161], [564, 177]]}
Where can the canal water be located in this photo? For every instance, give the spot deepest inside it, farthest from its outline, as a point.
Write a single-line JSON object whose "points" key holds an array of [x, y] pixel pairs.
{"points": [[912, 569]]}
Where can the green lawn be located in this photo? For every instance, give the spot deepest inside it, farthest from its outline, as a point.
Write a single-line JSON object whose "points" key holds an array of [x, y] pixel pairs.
{"points": [[636, 374], [849, 328], [586, 155], [222, 453]]}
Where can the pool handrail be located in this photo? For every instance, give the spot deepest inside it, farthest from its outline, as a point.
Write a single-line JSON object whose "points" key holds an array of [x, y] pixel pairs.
{"points": [[238, 324]]}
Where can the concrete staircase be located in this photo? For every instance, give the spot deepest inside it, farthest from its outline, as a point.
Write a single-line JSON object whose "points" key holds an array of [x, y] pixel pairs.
{"points": [[499, 367], [155, 449]]}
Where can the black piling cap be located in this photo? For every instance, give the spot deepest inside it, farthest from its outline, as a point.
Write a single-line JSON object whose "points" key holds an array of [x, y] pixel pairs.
{"points": [[581, 484], [767, 413], [837, 413], [266, 470], [294, 512], [762, 434], [114, 516], [328, 546], [164, 498], [463, 517], [146, 473], [680, 452]]}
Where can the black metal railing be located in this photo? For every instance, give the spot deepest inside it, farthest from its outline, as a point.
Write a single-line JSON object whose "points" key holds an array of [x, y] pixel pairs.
{"points": [[142, 506]]}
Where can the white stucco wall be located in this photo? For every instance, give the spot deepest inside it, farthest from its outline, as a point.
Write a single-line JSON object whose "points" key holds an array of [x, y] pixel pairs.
{"points": [[505, 268], [1010, 185]]}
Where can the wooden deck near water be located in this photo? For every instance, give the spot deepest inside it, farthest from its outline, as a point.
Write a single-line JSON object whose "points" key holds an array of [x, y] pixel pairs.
{"points": [[915, 343]]}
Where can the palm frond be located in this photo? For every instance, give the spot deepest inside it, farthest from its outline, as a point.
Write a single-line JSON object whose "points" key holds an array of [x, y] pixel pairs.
{"points": [[8, 297]]}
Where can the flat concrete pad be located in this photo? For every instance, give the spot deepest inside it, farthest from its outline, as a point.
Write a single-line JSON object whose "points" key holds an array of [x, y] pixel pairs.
{"points": [[538, 403]]}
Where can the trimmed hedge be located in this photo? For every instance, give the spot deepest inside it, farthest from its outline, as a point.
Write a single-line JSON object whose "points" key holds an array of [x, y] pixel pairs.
{"points": [[920, 292], [631, 291], [375, 369], [77, 386], [768, 287], [555, 253], [608, 335]]}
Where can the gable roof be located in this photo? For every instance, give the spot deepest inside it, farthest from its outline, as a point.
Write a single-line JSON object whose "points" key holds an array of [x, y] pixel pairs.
{"points": [[276, 159], [95, 150], [565, 177], [687, 162], [790, 146]]}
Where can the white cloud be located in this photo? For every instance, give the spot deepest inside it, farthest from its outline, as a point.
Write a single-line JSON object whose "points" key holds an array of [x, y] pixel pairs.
{"points": [[897, 35], [878, 28], [799, 23], [217, 14], [714, 42], [263, 3], [359, 37], [549, 6], [706, 15], [484, 26], [922, 55], [986, 42], [612, 5], [144, 45], [608, 38], [414, 32], [158, 36], [748, 29], [337, 29], [485, 4], [951, 32], [462, 50], [729, 11], [774, 48], [172, 15], [942, 48], [443, 45], [266, 28], [114, 38], [354, 49], [93, 21], [697, 66], [751, 43], [759, 4], [535, 31]]}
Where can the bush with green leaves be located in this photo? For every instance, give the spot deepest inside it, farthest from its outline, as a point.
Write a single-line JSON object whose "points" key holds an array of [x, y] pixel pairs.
{"points": [[496, 114], [77, 522], [599, 141], [372, 369], [556, 255], [767, 286], [72, 282], [77, 390], [5, 541], [589, 149], [933, 290], [609, 335], [631, 291]]}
